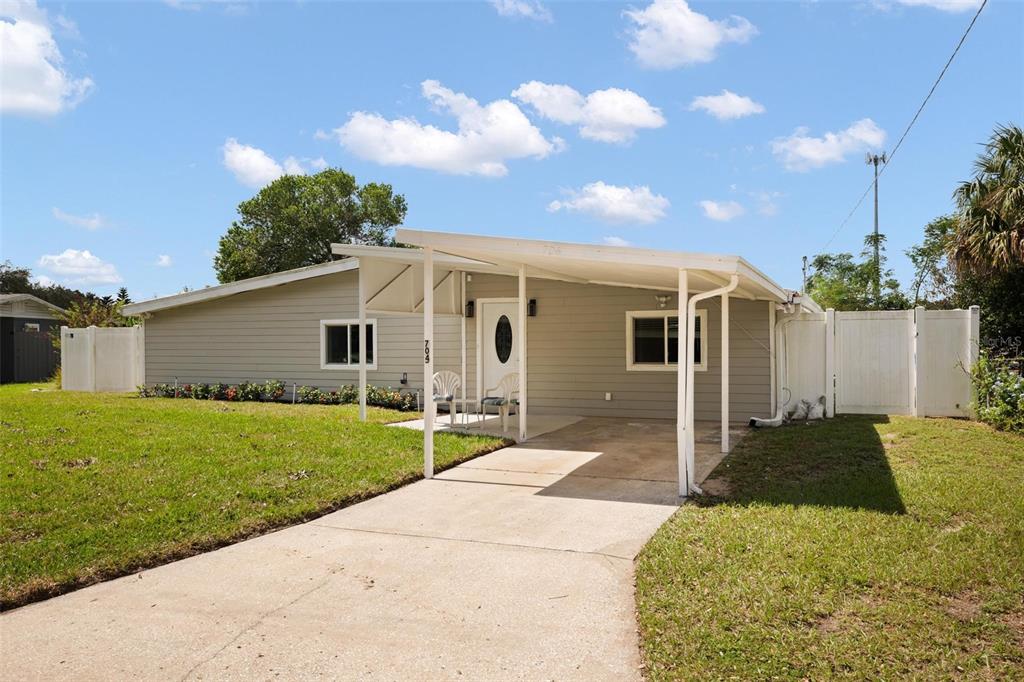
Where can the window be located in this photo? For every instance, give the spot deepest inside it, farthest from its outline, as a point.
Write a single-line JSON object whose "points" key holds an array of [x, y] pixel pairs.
{"points": [[340, 347], [652, 340], [31, 327]]}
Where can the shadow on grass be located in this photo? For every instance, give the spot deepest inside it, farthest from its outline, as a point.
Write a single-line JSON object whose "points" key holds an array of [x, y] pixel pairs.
{"points": [[839, 462]]}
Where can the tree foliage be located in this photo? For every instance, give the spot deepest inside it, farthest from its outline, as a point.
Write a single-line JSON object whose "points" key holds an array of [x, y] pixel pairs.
{"points": [[840, 282], [293, 221], [990, 230], [934, 282]]}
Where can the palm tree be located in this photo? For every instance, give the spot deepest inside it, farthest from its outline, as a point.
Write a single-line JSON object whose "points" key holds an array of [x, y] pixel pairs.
{"points": [[990, 221]]}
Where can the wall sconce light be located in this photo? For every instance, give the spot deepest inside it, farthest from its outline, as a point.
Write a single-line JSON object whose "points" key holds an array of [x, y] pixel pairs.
{"points": [[662, 300], [470, 308], [531, 308], [405, 378]]}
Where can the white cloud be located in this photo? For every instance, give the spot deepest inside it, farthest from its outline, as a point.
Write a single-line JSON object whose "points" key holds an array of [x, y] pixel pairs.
{"points": [[800, 152], [44, 281], [80, 267], [722, 211], [615, 204], [612, 115], [766, 201], [486, 138], [523, 9], [727, 106], [89, 222], [953, 6], [668, 34], [33, 79], [254, 167], [163, 261], [615, 241]]}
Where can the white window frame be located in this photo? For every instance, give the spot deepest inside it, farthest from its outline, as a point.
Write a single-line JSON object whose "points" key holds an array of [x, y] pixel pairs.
{"points": [[354, 322], [631, 366]]}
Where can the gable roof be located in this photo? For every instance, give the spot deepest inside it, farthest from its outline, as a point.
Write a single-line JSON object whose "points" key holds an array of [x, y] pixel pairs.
{"points": [[241, 286], [10, 299]]}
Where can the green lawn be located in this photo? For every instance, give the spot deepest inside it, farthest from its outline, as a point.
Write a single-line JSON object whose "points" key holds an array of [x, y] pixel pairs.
{"points": [[860, 548], [96, 486]]}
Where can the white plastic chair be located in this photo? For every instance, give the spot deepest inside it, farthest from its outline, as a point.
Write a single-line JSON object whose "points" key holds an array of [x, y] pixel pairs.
{"points": [[446, 387], [506, 394]]}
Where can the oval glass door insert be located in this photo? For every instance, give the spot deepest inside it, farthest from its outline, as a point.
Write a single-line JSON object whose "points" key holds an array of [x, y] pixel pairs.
{"points": [[503, 339]]}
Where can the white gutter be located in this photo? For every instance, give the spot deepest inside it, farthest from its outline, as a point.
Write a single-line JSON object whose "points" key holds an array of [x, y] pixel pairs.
{"points": [[691, 338]]}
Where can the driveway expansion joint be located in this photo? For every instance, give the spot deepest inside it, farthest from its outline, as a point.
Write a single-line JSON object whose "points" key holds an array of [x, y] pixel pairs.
{"points": [[492, 543]]}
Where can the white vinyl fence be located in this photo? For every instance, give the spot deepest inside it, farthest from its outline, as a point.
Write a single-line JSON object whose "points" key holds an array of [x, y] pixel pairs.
{"points": [[913, 362], [102, 358]]}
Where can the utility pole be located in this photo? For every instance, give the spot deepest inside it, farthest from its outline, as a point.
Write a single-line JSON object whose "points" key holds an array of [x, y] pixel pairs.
{"points": [[875, 160], [804, 290]]}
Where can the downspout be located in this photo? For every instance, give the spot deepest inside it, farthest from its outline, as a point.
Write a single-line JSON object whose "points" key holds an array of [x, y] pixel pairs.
{"points": [[781, 376], [691, 338]]}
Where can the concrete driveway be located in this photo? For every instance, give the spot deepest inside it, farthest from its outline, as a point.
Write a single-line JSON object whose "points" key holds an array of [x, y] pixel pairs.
{"points": [[518, 564]]}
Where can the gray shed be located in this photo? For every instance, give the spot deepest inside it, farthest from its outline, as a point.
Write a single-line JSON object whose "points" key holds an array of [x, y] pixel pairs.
{"points": [[26, 345]]}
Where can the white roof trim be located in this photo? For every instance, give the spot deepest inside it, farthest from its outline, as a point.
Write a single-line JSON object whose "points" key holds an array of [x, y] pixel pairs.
{"points": [[241, 286], [12, 298], [508, 250]]}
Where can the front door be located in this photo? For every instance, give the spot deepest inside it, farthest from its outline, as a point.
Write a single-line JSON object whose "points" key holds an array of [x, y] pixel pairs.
{"points": [[499, 329]]}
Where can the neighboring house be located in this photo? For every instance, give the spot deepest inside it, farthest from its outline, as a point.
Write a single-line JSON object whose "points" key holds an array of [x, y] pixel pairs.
{"points": [[26, 344]]}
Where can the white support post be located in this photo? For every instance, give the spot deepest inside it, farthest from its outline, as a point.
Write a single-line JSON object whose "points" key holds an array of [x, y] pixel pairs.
{"points": [[363, 346], [429, 406], [725, 372], [974, 338], [973, 346], [521, 410], [916, 343], [772, 360], [681, 370], [462, 377], [830, 363]]}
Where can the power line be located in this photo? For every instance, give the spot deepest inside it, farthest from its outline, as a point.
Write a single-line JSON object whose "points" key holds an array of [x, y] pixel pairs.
{"points": [[909, 126]]}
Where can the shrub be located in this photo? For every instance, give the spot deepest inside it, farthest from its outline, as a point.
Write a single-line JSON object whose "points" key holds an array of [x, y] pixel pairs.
{"points": [[273, 390], [999, 392], [248, 391]]}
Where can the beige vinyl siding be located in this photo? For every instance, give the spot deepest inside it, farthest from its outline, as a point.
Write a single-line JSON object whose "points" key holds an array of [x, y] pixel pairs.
{"points": [[576, 349], [274, 333]]}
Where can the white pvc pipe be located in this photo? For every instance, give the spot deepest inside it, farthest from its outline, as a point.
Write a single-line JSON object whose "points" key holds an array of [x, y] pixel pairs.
{"points": [[691, 338], [681, 386]]}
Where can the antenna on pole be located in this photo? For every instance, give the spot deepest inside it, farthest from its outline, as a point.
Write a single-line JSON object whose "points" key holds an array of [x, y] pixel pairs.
{"points": [[804, 290], [876, 160]]}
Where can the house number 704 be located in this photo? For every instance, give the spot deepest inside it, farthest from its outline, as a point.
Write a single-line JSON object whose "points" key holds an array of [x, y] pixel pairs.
{"points": [[426, 351]]}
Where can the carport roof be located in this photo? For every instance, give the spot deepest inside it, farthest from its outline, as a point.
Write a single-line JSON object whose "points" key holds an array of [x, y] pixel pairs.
{"points": [[583, 263]]}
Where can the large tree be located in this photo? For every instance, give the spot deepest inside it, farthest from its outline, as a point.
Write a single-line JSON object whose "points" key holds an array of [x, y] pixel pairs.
{"points": [[990, 230], [838, 281], [293, 221]]}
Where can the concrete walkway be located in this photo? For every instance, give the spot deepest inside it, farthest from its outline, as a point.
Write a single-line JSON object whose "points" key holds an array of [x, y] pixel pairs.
{"points": [[516, 565]]}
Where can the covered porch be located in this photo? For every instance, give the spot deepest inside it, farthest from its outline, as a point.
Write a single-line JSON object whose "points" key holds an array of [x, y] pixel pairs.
{"points": [[604, 447], [434, 280]]}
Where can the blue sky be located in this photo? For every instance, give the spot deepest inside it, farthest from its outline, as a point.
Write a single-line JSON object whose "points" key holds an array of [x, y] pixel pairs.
{"points": [[131, 131]]}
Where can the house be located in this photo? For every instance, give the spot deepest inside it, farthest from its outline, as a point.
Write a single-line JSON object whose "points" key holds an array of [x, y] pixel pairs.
{"points": [[602, 324], [26, 344]]}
